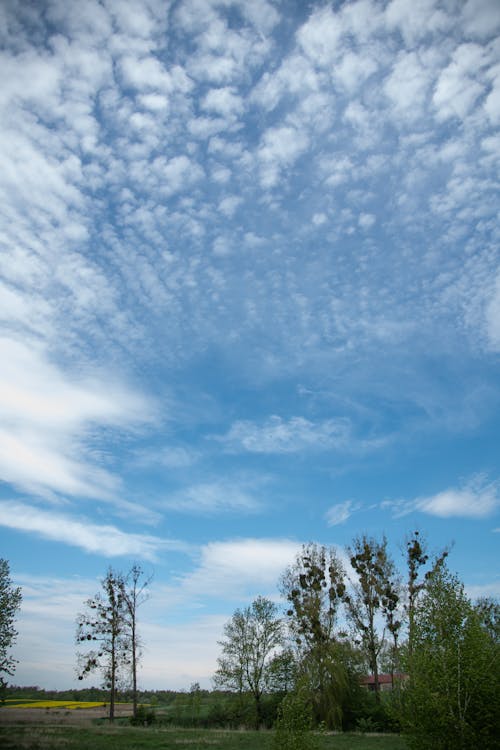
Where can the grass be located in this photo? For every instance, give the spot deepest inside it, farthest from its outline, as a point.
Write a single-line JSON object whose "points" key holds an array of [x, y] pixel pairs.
{"points": [[30, 703], [131, 738]]}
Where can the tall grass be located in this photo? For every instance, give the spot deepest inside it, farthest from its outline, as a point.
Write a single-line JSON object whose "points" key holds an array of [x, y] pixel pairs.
{"points": [[131, 738]]}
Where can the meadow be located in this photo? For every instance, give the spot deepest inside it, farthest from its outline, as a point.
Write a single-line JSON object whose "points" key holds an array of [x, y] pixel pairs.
{"points": [[40, 737], [72, 725]]}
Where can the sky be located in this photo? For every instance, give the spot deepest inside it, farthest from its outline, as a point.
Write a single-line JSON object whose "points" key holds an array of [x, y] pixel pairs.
{"points": [[249, 298]]}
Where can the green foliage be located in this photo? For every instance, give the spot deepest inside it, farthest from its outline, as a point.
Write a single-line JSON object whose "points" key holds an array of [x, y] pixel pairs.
{"points": [[294, 723], [10, 602], [144, 716], [452, 701], [250, 640]]}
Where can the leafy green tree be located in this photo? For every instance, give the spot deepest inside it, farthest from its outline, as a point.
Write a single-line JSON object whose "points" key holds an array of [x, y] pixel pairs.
{"points": [[374, 593], [314, 587], [251, 638], [104, 625], [282, 672], [488, 611], [452, 700], [10, 602]]}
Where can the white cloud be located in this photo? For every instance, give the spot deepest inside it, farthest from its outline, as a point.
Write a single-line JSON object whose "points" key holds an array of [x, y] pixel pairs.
{"points": [[456, 90], [280, 147], [320, 37], [481, 18], [476, 499], [492, 103], [366, 221], [223, 101], [146, 73], [215, 497], [105, 540], [170, 457], [240, 567], [416, 18], [292, 436], [493, 317], [228, 205], [319, 219], [46, 414], [407, 85], [339, 513], [154, 102]]}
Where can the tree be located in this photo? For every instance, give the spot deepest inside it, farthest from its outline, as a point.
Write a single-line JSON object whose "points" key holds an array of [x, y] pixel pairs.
{"points": [[251, 638], [104, 623], [314, 587], [10, 602], [373, 593], [134, 594], [452, 700], [417, 558], [282, 672]]}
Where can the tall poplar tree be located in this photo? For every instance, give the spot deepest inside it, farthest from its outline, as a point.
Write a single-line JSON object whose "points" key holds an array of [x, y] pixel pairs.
{"points": [[134, 594], [374, 593], [314, 587]]}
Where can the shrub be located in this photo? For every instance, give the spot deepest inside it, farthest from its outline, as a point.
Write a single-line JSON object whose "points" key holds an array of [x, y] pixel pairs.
{"points": [[144, 717], [294, 722]]}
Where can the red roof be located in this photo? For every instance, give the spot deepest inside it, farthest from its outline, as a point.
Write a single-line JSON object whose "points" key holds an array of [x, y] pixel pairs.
{"points": [[383, 679]]}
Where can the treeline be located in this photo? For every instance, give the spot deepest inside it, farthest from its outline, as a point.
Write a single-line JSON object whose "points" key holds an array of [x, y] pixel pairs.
{"points": [[438, 651], [92, 694]]}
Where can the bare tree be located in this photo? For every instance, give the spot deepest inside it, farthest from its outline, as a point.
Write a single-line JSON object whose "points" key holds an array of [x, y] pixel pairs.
{"points": [[134, 594]]}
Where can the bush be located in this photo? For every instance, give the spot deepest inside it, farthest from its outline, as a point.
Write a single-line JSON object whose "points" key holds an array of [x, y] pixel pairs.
{"points": [[144, 717], [294, 723]]}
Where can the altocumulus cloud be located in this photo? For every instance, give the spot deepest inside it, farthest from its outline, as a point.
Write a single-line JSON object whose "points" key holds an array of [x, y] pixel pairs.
{"points": [[277, 435]]}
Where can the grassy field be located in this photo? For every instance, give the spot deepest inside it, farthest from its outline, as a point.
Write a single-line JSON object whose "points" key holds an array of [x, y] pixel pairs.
{"points": [[18, 737]]}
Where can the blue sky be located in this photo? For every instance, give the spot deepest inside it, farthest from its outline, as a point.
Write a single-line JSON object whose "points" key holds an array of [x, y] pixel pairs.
{"points": [[249, 298]]}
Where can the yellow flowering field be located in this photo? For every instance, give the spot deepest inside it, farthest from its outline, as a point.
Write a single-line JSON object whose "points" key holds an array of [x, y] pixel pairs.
{"points": [[53, 704]]}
